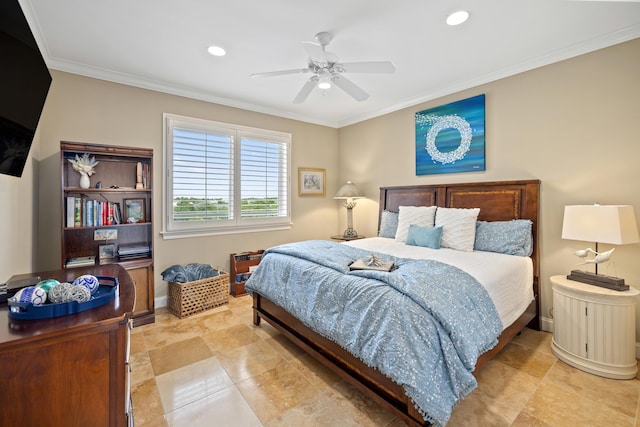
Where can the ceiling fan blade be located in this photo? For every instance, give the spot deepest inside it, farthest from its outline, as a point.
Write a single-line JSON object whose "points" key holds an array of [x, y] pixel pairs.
{"points": [[315, 52], [368, 67], [306, 90], [279, 73], [348, 86]]}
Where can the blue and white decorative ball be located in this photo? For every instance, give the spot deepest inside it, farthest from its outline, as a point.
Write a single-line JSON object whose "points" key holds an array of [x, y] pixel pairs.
{"points": [[47, 284], [88, 281], [32, 294]]}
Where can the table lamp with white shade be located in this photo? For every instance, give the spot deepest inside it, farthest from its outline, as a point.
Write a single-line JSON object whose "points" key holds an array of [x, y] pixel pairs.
{"points": [[611, 224], [349, 192]]}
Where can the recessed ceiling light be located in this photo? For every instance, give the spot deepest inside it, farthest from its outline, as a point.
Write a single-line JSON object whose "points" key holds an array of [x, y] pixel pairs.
{"points": [[216, 51], [457, 18]]}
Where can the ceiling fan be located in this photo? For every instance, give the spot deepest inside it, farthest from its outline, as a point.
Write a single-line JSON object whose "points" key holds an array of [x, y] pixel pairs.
{"points": [[327, 70]]}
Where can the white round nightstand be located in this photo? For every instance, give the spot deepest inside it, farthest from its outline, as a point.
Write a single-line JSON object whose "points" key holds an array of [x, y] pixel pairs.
{"points": [[594, 328]]}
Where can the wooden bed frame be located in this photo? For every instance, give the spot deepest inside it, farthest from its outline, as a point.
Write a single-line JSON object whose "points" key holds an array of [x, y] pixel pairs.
{"points": [[498, 201]]}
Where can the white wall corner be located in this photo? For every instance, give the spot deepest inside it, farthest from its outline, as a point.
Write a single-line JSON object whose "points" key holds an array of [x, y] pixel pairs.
{"points": [[160, 301]]}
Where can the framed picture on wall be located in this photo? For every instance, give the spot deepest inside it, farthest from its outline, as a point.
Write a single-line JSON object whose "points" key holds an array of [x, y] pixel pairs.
{"points": [[311, 182], [134, 210], [450, 138]]}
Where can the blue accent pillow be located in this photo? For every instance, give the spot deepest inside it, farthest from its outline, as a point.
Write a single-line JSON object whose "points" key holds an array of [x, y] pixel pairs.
{"points": [[426, 236], [388, 224], [506, 237]]}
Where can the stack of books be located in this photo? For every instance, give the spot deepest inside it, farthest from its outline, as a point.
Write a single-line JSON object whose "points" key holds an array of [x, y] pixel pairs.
{"points": [[82, 212], [82, 261], [139, 250]]}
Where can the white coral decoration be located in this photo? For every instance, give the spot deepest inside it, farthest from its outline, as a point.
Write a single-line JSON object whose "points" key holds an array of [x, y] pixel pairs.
{"points": [[84, 164], [373, 261]]}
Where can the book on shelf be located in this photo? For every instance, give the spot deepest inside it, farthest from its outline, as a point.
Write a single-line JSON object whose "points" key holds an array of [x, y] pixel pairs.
{"points": [[80, 261], [117, 213], [77, 212], [136, 250], [84, 212], [71, 206]]}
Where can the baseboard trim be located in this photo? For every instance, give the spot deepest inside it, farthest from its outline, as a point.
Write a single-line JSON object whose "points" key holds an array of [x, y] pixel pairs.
{"points": [[546, 324], [160, 301]]}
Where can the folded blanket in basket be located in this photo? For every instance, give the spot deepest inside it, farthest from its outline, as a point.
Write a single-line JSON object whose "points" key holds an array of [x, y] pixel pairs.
{"points": [[188, 273]]}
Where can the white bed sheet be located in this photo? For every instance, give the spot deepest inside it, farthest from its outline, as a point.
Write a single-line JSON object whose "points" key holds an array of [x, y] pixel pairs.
{"points": [[507, 278]]}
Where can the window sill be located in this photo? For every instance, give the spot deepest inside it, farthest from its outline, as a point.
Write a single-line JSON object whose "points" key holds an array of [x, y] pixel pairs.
{"points": [[187, 234]]}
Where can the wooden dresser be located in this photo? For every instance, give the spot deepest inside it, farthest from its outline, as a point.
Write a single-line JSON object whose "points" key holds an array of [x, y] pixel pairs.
{"points": [[70, 370]]}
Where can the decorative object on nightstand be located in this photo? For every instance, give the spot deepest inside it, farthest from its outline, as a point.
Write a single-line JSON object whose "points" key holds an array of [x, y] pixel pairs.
{"points": [[349, 192], [594, 328], [612, 224]]}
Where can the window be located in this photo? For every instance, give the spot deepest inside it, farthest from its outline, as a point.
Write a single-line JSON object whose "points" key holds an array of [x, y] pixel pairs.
{"points": [[224, 178]]}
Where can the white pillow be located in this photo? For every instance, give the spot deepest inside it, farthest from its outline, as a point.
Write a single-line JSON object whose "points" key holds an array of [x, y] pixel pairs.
{"points": [[418, 215], [458, 227]]}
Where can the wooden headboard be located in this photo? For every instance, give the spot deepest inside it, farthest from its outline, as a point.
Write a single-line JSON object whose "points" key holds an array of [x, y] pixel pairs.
{"points": [[498, 201]]}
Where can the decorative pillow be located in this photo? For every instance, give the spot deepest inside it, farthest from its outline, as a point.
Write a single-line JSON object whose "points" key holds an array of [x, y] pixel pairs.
{"points": [[419, 215], [505, 237], [458, 227], [388, 224], [429, 237]]}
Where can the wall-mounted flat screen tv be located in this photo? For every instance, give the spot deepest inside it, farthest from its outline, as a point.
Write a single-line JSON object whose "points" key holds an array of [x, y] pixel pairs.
{"points": [[24, 84]]}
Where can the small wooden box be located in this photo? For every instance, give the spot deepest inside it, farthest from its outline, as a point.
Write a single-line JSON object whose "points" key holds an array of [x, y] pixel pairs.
{"points": [[240, 264]]}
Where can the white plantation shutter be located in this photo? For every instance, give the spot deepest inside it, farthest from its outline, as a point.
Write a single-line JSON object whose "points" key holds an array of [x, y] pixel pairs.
{"points": [[202, 169], [223, 178], [263, 178]]}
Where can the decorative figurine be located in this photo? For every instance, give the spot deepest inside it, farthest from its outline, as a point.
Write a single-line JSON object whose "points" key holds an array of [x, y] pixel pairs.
{"points": [[599, 257], [139, 184]]}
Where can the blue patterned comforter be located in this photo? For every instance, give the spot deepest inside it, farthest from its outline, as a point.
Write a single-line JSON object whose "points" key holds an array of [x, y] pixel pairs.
{"points": [[423, 325]]}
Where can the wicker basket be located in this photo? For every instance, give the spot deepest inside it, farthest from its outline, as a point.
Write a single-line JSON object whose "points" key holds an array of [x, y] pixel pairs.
{"points": [[189, 298]]}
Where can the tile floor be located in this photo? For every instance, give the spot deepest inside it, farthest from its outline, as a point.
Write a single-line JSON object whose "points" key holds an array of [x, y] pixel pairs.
{"points": [[216, 369]]}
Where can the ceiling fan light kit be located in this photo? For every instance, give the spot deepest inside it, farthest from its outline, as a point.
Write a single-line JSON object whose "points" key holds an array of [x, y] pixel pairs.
{"points": [[327, 69], [457, 18], [216, 51]]}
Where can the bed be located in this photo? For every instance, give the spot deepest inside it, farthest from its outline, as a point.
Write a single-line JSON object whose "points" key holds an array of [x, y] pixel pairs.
{"points": [[497, 201]]}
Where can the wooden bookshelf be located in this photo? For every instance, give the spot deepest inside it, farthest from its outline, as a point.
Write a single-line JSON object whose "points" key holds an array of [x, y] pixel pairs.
{"points": [[117, 174]]}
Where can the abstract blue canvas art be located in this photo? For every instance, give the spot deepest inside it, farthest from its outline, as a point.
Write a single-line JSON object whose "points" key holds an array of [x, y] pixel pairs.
{"points": [[450, 138]]}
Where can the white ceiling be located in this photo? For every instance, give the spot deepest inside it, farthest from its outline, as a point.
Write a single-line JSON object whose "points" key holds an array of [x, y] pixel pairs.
{"points": [[162, 45]]}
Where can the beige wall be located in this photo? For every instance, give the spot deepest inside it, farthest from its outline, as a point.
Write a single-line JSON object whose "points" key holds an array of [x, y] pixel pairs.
{"points": [[18, 219], [573, 125], [95, 111]]}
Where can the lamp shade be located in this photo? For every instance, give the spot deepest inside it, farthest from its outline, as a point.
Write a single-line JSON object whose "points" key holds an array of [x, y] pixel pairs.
{"points": [[349, 191], [612, 224]]}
